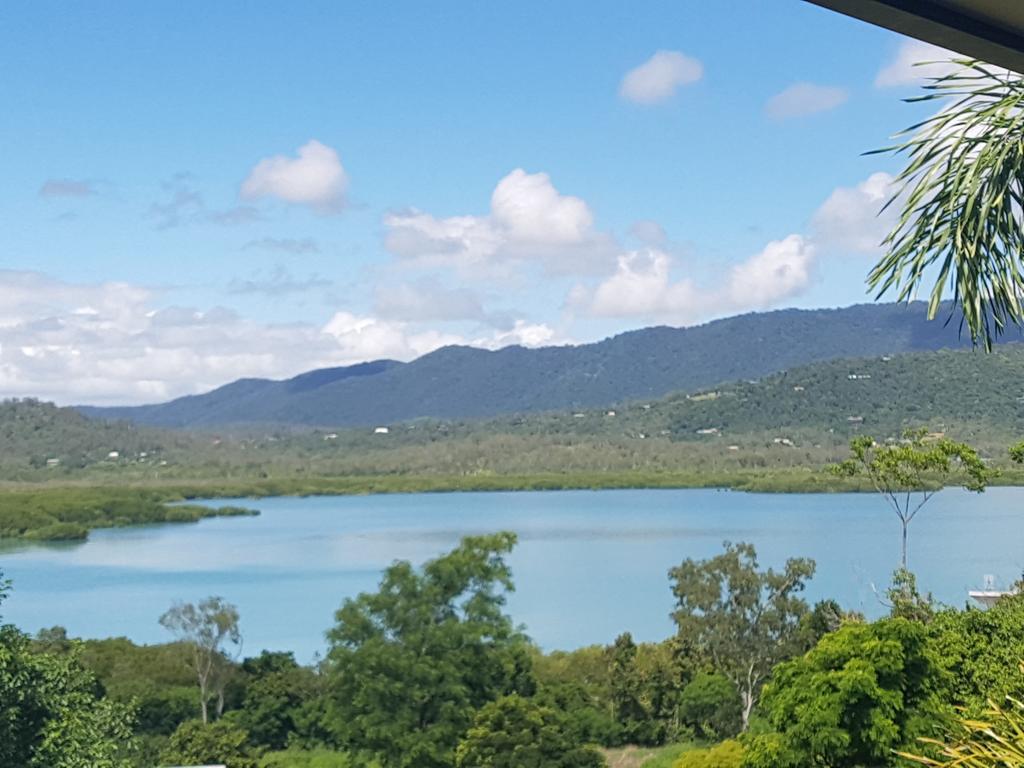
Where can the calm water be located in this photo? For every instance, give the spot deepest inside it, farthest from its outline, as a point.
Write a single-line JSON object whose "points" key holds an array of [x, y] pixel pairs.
{"points": [[588, 566]]}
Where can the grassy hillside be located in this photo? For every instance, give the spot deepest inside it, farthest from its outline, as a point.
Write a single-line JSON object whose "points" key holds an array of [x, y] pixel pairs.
{"points": [[467, 383]]}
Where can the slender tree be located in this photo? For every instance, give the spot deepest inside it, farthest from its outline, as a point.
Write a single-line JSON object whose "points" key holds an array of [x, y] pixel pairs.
{"points": [[208, 629], [743, 619], [909, 472]]}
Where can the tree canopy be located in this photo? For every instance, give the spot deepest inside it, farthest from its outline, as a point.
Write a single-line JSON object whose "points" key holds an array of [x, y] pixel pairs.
{"points": [[410, 664], [743, 619]]}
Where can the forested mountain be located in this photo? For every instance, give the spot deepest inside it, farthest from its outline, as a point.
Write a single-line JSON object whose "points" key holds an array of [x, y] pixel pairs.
{"points": [[464, 382]]}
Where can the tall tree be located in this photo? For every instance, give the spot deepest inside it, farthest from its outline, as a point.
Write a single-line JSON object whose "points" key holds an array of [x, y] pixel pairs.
{"points": [[209, 629], [411, 663], [743, 619], [909, 472], [960, 199]]}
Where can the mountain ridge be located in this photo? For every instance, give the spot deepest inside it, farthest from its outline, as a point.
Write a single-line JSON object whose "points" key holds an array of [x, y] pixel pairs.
{"points": [[460, 382]]}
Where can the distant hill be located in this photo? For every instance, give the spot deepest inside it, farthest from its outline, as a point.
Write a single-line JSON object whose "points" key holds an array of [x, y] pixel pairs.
{"points": [[37, 434], [467, 383]]}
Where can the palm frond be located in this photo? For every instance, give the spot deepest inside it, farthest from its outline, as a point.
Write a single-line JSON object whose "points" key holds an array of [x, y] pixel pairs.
{"points": [[960, 200]]}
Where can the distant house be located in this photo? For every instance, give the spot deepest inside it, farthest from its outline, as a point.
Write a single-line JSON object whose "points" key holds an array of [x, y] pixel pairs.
{"points": [[578, 415], [734, 447], [708, 431], [798, 388], [113, 455], [858, 376], [381, 431], [610, 413], [782, 441], [53, 462], [331, 436], [855, 419]]}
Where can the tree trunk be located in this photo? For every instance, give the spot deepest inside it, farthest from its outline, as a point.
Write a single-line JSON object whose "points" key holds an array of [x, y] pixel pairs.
{"points": [[203, 706], [748, 707], [904, 559]]}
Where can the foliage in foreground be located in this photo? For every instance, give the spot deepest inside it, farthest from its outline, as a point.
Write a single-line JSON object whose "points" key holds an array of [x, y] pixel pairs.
{"points": [[52, 714], [995, 740]]}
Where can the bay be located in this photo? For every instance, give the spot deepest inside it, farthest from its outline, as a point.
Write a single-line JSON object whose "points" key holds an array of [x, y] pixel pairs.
{"points": [[589, 564]]}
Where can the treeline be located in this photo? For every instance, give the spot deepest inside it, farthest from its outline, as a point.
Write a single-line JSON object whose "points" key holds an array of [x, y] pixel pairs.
{"points": [[429, 671], [69, 513]]}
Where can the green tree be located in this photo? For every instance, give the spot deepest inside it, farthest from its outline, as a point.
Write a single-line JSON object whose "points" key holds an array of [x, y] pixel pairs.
{"points": [[207, 629], [52, 713], [515, 732], [909, 472], [410, 664], [218, 743], [743, 620], [277, 693], [959, 199], [710, 705], [981, 651], [863, 691]]}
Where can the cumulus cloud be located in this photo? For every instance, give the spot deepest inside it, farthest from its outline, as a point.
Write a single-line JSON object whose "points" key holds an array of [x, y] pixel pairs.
{"points": [[802, 99], [529, 220], [642, 285], [849, 219], [115, 343], [906, 67], [658, 78], [52, 188], [315, 177]]}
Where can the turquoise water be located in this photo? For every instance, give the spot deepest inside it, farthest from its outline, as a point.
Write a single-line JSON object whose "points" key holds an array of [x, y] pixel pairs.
{"points": [[589, 564]]}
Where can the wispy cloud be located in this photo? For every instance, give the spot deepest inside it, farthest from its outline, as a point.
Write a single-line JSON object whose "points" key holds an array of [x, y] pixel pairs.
{"points": [[280, 282], [801, 99], [55, 188], [295, 246]]}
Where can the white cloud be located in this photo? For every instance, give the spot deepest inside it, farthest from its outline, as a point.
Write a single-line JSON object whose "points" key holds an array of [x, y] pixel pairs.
{"points": [[802, 99], [658, 78], [903, 69], [523, 333], [849, 219], [315, 178], [780, 271], [112, 343], [529, 221], [642, 285]]}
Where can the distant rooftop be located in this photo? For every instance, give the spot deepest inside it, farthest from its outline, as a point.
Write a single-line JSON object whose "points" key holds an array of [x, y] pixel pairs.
{"points": [[990, 30]]}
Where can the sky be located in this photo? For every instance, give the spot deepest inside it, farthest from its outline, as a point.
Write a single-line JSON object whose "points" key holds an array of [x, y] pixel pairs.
{"points": [[198, 192]]}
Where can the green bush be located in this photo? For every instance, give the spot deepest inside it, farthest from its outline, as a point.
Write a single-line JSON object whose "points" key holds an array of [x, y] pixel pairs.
{"points": [[728, 754]]}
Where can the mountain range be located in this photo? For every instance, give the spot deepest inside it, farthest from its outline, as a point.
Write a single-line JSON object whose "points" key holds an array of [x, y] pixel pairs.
{"points": [[459, 382]]}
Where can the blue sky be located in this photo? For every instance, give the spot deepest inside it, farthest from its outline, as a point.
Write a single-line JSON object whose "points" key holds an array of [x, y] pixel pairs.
{"points": [[197, 192]]}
